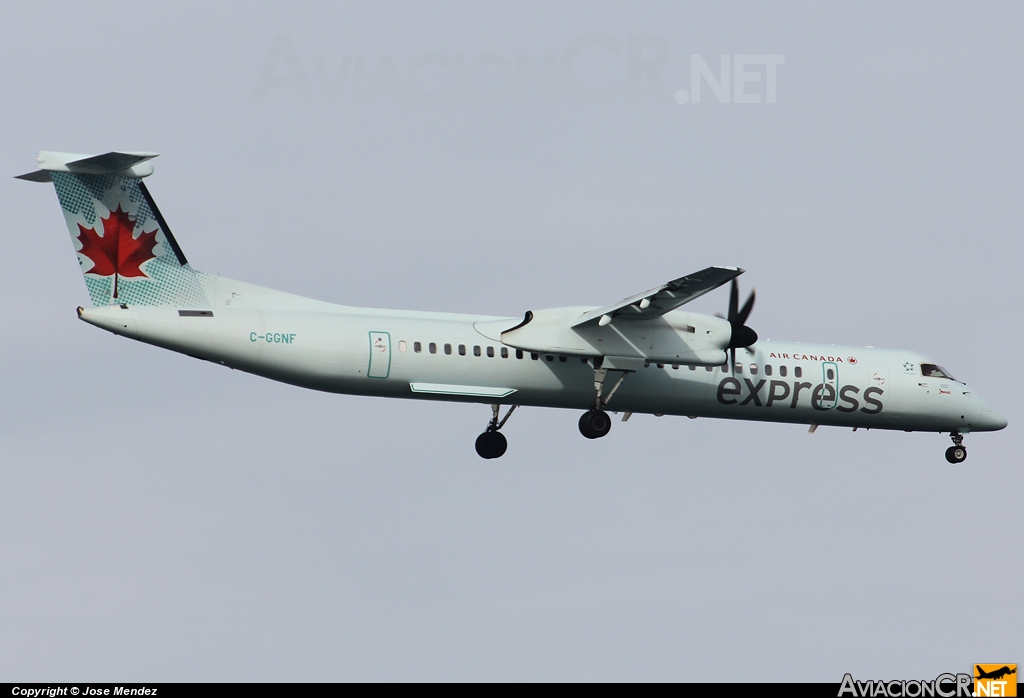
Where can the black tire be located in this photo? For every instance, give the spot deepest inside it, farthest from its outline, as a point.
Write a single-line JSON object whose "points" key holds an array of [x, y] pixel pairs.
{"points": [[595, 423], [491, 444], [956, 454]]}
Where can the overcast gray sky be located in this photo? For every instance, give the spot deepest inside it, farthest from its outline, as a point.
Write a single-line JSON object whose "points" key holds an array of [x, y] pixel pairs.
{"points": [[165, 519]]}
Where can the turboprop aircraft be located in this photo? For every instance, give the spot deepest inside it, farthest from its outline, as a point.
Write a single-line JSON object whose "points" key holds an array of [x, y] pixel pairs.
{"points": [[644, 354]]}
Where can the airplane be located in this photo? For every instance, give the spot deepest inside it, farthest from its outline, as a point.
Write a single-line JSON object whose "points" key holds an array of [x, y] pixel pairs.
{"points": [[995, 674], [644, 354]]}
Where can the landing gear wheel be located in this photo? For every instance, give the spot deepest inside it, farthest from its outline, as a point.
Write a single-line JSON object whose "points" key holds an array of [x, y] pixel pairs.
{"points": [[956, 454], [595, 424], [491, 444]]}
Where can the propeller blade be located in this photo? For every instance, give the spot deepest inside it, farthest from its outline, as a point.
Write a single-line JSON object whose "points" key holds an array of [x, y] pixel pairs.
{"points": [[734, 293], [747, 307], [742, 336]]}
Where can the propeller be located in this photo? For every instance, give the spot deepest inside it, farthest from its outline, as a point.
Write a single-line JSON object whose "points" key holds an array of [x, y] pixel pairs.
{"points": [[742, 336]]}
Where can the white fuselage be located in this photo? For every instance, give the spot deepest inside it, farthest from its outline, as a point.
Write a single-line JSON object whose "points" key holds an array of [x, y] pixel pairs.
{"points": [[440, 356]]}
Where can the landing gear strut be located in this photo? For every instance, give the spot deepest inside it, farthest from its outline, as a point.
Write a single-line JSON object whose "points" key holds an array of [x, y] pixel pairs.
{"points": [[595, 423], [492, 443], [956, 453]]}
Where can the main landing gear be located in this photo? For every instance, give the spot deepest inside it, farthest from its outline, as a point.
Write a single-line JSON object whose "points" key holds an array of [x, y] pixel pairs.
{"points": [[595, 422], [956, 453], [492, 443]]}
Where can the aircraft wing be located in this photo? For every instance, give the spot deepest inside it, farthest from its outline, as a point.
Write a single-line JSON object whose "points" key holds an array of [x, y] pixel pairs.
{"points": [[663, 299]]}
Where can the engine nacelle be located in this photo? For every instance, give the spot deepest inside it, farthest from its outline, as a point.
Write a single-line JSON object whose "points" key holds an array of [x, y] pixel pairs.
{"points": [[677, 337]]}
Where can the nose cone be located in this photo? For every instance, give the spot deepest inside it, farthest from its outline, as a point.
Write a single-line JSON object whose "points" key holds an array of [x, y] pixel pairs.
{"points": [[992, 421], [988, 419]]}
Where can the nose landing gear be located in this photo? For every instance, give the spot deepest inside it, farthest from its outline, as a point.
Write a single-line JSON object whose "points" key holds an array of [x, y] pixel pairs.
{"points": [[956, 453], [492, 443]]}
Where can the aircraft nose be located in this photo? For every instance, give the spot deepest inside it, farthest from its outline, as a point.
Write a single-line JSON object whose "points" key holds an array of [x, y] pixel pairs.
{"points": [[993, 421], [988, 419]]}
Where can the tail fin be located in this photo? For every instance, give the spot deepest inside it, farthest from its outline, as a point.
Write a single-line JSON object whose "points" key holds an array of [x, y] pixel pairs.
{"points": [[126, 251]]}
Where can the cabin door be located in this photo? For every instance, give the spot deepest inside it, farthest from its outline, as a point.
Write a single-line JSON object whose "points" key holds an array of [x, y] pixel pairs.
{"points": [[380, 355], [830, 385]]}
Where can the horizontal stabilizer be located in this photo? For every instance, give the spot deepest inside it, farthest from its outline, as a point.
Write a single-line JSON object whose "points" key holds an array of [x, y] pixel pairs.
{"points": [[127, 164], [663, 299], [36, 176], [113, 161]]}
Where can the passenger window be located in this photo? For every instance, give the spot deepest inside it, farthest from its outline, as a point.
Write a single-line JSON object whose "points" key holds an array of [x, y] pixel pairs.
{"points": [[476, 350], [739, 367], [767, 369], [782, 371], [692, 367], [504, 352], [462, 350], [675, 366], [432, 347], [661, 365], [549, 357], [831, 374], [490, 352], [798, 372], [417, 347], [519, 353], [563, 359], [448, 349], [534, 356], [753, 369], [709, 369], [402, 346]]}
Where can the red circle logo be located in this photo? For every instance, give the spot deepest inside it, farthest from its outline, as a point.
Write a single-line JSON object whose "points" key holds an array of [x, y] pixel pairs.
{"points": [[852, 359]]}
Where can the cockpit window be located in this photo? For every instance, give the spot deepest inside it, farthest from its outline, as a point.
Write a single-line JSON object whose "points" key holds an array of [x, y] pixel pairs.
{"points": [[935, 371]]}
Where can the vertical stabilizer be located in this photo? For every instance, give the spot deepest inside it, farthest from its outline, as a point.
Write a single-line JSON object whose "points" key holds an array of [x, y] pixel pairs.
{"points": [[126, 251]]}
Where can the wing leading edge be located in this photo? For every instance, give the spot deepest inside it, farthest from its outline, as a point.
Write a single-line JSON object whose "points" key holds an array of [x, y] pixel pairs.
{"points": [[663, 299]]}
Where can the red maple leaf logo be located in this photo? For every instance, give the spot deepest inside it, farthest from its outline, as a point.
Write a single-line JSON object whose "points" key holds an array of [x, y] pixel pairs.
{"points": [[117, 252]]}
